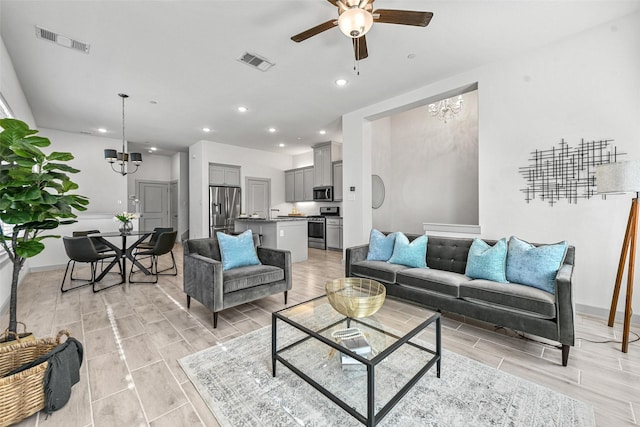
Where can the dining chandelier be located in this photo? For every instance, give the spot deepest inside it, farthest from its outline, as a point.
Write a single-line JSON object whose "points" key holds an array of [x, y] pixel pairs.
{"points": [[122, 157], [446, 109]]}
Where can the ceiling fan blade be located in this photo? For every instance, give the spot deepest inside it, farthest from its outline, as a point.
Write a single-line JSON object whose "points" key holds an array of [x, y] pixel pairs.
{"points": [[315, 30], [333, 2], [360, 48], [404, 17]]}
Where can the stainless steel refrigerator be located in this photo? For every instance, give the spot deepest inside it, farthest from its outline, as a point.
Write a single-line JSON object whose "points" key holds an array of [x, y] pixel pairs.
{"points": [[224, 208]]}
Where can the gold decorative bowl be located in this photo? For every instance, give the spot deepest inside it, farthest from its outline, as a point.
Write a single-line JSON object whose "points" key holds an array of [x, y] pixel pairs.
{"points": [[354, 297]]}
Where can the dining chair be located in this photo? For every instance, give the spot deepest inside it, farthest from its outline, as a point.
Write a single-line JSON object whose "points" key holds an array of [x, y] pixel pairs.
{"points": [[163, 245], [98, 243], [81, 249], [151, 243]]}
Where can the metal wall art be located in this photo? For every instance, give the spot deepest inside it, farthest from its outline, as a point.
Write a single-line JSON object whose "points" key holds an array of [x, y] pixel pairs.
{"points": [[566, 172]]}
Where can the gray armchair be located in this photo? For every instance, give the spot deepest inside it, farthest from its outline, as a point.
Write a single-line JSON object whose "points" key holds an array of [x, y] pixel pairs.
{"points": [[204, 280]]}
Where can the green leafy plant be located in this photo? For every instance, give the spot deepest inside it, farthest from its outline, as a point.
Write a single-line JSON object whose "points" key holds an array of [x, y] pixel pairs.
{"points": [[34, 196]]}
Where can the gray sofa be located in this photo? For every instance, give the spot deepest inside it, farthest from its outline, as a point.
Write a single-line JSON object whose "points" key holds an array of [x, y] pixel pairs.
{"points": [[444, 287], [204, 279]]}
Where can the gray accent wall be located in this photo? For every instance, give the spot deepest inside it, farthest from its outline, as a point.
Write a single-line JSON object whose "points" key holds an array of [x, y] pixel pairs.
{"points": [[429, 168]]}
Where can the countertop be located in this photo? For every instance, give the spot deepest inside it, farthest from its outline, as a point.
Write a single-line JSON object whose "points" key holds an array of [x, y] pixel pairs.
{"points": [[289, 218]]}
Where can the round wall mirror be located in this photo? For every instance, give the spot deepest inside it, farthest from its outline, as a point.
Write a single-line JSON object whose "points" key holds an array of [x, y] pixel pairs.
{"points": [[377, 191]]}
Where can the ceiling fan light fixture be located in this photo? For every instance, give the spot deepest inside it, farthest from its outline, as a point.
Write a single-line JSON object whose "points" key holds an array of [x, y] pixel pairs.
{"points": [[355, 22]]}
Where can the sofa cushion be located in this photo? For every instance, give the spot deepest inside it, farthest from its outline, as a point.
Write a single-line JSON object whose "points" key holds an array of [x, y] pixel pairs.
{"points": [[535, 266], [486, 261], [445, 282], [380, 246], [412, 254], [377, 270], [247, 277], [525, 299], [237, 251]]}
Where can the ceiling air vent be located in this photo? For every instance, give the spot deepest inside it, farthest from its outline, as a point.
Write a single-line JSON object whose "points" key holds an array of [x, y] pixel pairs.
{"points": [[62, 40], [256, 61]]}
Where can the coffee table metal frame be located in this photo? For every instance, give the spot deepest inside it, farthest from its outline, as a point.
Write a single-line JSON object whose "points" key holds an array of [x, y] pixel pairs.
{"points": [[372, 417]]}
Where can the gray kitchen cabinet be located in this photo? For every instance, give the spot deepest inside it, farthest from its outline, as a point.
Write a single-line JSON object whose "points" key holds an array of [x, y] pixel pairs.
{"points": [[334, 233], [298, 185], [323, 155], [224, 174], [337, 181], [289, 186]]}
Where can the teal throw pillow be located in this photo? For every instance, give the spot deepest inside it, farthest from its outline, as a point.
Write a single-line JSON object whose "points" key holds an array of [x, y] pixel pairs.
{"points": [[535, 266], [487, 262], [412, 254], [380, 246], [237, 251]]}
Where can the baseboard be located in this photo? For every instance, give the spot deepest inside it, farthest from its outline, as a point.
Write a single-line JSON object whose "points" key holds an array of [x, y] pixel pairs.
{"points": [[604, 313], [47, 268]]}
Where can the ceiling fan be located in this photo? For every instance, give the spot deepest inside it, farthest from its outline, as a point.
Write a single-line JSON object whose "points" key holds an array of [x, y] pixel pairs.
{"points": [[355, 18]]}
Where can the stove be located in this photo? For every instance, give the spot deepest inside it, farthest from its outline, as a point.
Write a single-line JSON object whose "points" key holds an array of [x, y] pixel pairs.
{"points": [[317, 226]]}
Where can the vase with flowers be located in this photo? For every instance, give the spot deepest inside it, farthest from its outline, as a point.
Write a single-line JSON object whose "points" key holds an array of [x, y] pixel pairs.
{"points": [[125, 218]]}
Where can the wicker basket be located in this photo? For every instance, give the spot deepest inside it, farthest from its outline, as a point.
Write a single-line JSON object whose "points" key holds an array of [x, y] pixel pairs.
{"points": [[22, 394]]}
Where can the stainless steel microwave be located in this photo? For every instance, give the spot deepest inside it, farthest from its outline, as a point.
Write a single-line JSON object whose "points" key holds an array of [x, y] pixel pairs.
{"points": [[323, 194]]}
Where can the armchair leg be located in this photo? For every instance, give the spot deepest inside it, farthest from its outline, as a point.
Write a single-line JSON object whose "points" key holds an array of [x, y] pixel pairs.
{"points": [[565, 354], [188, 301], [285, 297], [215, 319]]}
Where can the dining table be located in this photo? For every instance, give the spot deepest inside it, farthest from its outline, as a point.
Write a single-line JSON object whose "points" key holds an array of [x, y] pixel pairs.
{"points": [[125, 252]]}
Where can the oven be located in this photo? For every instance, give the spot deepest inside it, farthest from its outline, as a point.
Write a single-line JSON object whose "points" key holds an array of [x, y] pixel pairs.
{"points": [[317, 226]]}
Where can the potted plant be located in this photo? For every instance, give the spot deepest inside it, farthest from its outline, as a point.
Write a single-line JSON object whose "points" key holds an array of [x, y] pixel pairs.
{"points": [[34, 196]]}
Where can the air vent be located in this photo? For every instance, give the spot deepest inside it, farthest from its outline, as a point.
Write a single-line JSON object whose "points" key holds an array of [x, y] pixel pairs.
{"points": [[62, 40], [256, 61]]}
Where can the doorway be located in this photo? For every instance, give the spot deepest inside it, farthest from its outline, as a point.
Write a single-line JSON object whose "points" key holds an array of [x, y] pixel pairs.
{"points": [[154, 204]]}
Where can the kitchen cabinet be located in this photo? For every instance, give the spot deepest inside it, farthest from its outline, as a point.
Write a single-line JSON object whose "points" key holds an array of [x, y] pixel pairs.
{"points": [[224, 174], [287, 234], [298, 185], [337, 181], [323, 155], [334, 233]]}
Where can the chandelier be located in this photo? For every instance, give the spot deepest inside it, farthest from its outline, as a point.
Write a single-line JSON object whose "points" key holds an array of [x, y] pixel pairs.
{"points": [[446, 109], [122, 157]]}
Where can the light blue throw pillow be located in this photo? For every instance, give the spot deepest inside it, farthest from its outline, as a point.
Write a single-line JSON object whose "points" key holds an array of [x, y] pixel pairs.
{"points": [[412, 254], [534, 266], [237, 251], [487, 262], [380, 246]]}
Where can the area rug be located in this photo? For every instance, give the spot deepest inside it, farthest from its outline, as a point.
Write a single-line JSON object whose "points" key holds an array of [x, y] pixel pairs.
{"points": [[236, 382]]}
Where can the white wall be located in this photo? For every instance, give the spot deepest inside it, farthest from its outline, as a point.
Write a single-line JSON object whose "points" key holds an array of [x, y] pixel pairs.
{"points": [[586, 86], [253, 163], [439, 164], [12, 92]]}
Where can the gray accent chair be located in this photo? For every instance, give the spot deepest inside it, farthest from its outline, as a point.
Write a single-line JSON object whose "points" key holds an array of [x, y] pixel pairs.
{"points": [[444, 287], [204, 280]]}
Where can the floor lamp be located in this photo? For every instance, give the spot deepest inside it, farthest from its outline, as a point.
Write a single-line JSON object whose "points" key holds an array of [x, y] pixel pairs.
{"points": [[623, 177]]}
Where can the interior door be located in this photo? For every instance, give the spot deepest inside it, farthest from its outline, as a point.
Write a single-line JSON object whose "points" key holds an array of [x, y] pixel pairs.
{"points": [[173, 205], [154, 204], [258, 196]]}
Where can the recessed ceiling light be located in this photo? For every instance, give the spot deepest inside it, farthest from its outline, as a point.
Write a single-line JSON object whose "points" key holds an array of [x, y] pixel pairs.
{"points": [[206, 130], [272, 130], [341, 82], [322, 132], [152, 148], [243, 109], [281, 144], [102, 130]]}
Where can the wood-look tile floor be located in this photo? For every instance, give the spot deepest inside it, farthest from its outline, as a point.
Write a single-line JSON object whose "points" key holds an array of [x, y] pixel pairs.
{"points": [[134, 334]]}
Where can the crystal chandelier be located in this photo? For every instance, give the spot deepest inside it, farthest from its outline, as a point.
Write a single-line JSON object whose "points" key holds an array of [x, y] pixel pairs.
{"points": [[122, 157], [446, 109]]}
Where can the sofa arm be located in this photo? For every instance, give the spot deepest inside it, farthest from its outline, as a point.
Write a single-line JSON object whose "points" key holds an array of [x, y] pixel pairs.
{"points": [[564, 304], [354, 254], [202, 280], [278, 258]]}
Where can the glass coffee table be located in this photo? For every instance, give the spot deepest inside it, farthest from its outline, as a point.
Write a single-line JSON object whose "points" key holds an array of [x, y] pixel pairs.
{"points": [[405, 343]]}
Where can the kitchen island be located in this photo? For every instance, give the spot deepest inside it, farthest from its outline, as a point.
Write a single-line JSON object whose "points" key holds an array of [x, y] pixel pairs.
{"points": [[288, 233]]}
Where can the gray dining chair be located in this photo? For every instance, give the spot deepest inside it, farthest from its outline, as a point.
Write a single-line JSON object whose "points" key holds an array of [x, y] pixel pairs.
{"points": [[98, 243], [151, 243], [81, 249], [163, 245]]}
